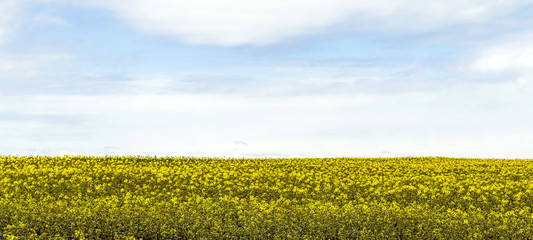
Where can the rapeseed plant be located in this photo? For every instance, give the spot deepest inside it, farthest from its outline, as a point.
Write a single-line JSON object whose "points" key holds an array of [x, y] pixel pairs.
{"points": [[133, 197]]}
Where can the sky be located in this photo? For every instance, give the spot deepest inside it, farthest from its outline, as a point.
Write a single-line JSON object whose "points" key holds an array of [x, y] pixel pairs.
{"points": [[267, 78]]}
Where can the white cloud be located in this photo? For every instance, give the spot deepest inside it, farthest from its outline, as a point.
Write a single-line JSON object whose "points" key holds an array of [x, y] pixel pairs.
{"points": [[53, 20], [474, 120], [8, 9], [150, 85], [25, 65], [13, 14], [236, 22], [511, 58], [514, 53]]}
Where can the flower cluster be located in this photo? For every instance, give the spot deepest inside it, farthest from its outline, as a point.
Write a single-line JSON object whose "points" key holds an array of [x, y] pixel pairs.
{"points": [[134, 197]]}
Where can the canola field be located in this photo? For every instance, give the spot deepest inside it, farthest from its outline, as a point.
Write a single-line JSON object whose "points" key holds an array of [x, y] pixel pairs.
{"points": [[82, 197]]}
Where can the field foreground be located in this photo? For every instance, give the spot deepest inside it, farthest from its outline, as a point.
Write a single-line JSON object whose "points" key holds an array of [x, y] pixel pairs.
{"points": [[82, 197]]}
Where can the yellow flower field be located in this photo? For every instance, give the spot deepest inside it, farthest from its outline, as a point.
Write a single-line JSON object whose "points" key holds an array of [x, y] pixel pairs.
{"points": [[81, 197]]}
